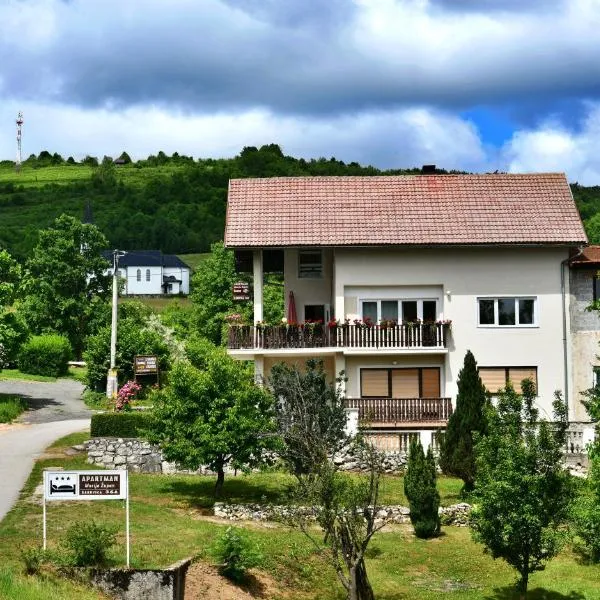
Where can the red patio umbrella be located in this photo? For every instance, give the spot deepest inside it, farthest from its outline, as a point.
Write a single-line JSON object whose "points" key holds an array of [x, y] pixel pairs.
{"points": [[292, 317]]}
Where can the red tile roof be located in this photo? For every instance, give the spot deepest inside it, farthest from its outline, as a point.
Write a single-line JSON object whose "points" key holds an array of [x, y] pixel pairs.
{"points": [[402, 210], [589, 256]]}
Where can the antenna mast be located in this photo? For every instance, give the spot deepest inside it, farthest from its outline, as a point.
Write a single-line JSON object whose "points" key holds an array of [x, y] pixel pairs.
{"points": [[19, 157]]}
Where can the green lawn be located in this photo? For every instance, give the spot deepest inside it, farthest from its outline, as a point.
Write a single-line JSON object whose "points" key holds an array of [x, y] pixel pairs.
{"points": [[11, 407], [170, 519], [159, 304], [194, 260], [77, 373]]}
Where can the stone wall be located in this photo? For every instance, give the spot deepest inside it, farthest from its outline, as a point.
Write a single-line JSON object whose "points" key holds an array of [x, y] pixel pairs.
{"points": [[457, 514], [132, 454]]}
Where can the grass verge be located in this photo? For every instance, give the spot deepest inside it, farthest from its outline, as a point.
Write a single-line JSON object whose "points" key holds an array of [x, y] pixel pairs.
{"points": [[11, 407]]}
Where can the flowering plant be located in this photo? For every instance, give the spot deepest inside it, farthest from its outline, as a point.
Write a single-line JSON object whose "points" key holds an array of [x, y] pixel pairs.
{"points": [[333, 322], [126, 394], [235, 319]]}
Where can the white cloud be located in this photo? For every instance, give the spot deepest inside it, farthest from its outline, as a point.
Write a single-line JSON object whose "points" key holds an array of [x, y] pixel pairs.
{"points": [[553, 147]]}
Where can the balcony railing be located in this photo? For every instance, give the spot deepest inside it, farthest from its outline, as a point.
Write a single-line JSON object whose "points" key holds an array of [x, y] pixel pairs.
{"points": [[315, 335], [379, 411]]}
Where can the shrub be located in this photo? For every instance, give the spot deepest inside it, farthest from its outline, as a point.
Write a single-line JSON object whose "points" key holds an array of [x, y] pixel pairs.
{"points": [[421, 490], [88, 543], [119, 424], [45, 355], [586, 518], [235, 554], [33, 560]]}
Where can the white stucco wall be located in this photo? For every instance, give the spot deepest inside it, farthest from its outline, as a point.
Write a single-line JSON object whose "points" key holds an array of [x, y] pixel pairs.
{"points": [[182, 274], [144, 287], [463, 275]]}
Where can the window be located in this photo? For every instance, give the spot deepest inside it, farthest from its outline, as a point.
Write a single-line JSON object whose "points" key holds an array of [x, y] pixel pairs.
{"points": [[507, 312], [400, 383], [314, 312], [310, 264], [596, 377], [147, 274], [139, 275], [496, 378], [399, 310]]}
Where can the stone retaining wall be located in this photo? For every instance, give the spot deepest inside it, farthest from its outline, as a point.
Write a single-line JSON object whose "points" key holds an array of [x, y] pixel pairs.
{"points": [[457, 514]]}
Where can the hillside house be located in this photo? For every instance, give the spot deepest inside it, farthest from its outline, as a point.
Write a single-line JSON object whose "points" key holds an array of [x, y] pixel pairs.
{"points": [[152, 273], [393, 279]]}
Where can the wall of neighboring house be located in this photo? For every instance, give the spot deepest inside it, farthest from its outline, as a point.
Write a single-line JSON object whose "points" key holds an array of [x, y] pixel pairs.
{"points": [[585, 338], [183, 275], [463, 276], [150, 281]]}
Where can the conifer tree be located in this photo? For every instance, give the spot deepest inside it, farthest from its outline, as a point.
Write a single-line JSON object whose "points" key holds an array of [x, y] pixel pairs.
{"points": [[457, 456], [420, 487]]}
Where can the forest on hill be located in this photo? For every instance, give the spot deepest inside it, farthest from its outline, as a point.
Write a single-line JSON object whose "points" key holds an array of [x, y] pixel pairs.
{"points": [[172, 203]]}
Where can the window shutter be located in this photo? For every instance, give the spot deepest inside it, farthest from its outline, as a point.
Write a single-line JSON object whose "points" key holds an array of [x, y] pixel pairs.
{"points": [[405, 383], [374, 383], [493, 379], [516, 375], [430, 383]]}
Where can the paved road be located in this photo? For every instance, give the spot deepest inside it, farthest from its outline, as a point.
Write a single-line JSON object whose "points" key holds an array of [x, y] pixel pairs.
{"points": [[55, 411]]}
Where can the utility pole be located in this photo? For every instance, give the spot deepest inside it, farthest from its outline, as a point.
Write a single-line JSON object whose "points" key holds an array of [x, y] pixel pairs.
{"points": [[112, 382]]}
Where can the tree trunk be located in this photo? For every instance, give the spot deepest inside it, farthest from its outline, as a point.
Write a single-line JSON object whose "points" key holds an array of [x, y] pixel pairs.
{"points": [[364, 591], [220, 481], [522, 585], [352, 590]]}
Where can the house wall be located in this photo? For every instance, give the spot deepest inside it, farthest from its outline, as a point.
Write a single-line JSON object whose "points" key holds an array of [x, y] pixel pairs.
{"points": [[300, 363], [308, 291], [463, 275], [181, 274], [144, 287], [585, 337]]}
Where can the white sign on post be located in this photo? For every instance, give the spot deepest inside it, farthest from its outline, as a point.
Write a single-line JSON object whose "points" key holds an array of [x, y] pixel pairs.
{"points": [[87, 485]]}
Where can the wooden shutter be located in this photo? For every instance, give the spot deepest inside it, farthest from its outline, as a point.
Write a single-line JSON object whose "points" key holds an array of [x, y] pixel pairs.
{"points": [[374, 383], [405, 383], [430, 383], [517, 374], [494, 378]]}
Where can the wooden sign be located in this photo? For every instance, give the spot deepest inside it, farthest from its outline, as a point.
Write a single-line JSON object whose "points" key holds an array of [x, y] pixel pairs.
{"points": [[241, 291], [144, 364]]}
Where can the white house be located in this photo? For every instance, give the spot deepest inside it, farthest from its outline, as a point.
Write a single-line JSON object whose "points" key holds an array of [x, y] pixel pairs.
{"points": [[400, 276], [150, 272]]}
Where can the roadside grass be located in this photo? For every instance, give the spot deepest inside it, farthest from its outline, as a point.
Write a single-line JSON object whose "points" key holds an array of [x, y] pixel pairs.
{"points": [[170, 520], [78, 373], [11, 407], [16, 374]]}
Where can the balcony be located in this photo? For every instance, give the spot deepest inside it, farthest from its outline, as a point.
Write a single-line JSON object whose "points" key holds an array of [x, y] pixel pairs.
{"points": [[345, 336], [391, 412]]}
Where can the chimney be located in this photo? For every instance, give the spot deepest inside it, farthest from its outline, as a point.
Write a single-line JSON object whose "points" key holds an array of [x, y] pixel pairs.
{"points": [[428, 169]]}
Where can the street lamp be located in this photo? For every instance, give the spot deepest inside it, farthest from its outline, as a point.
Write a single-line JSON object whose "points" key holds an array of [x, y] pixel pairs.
{"points": [[112, 383]]}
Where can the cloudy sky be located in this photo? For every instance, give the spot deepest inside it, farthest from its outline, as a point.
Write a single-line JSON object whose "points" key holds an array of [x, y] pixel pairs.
{"points": [[477, 85]]}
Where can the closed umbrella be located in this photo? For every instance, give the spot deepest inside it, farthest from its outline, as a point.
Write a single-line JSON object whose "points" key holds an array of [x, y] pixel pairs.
{"points": [[292, 317]]}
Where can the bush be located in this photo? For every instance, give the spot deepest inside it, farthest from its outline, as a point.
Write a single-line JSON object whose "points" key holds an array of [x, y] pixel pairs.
{"points": [[88, 543], [420, 487], [235, 554], [45, 355], [121, 424], [587, 526], [33, 559]]}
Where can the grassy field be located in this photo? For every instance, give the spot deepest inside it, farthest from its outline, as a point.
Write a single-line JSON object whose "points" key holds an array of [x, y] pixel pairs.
{"points": [[11, 407], [159, 304], [64, 174], [170, 519], [194, 260], [77, 373]]}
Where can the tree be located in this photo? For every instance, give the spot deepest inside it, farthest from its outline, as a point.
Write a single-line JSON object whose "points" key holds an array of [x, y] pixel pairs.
{"points": [[212, 294], [13, 330], [420, 487], [212, 413], [457, 456], [124, 158], [522, 491], [310, 414], [65, 283], [346, 510]]}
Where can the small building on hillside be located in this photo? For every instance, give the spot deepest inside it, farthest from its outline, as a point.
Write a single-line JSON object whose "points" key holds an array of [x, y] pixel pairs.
{"points": [[152, 273]]}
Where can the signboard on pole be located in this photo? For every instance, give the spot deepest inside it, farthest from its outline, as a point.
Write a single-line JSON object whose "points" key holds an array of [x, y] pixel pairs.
{"points": [[85, 485], [241, 291], [145, 364]]}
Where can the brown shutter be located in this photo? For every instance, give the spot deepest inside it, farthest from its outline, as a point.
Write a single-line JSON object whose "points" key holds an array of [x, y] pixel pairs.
{"points": [[494, 378], [517, 374], [405, 383], [430, 383], [374, 383]]}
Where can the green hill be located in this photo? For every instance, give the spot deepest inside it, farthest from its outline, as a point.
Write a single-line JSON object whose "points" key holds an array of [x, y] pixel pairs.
{"points": [[175, 204]]}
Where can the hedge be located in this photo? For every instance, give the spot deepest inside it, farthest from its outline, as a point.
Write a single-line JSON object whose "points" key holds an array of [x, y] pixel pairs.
{"points": [[119, 424], [45, 355]]}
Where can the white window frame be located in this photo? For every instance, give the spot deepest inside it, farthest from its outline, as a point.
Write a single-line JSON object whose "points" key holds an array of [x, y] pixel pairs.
{"points": [[138, 275], [496, 323], [148, 275], [419, 302], [310, 275]]}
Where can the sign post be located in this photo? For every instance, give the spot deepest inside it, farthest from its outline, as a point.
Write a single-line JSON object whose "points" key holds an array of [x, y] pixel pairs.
{"points": [[146, 364], [87, 485]]}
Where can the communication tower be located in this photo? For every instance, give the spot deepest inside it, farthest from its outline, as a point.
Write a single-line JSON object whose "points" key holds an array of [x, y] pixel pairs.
{"points": [[19, 125]]}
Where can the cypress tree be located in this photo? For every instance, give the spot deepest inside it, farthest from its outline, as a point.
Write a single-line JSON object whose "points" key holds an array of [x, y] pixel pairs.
{"points": [[420, 487], [457, 456]]}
